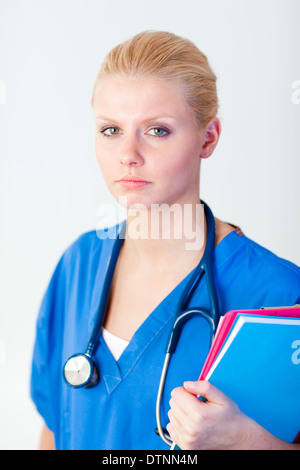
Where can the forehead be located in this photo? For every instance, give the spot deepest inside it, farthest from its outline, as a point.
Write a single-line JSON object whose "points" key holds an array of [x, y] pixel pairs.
{"points": [[132, 96]]}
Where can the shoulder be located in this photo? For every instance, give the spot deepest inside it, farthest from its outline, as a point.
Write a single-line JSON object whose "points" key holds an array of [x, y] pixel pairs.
{"points": [[222, 230], [74, 275], [246, 252], [254, 276], [269, 262], [79, 262], [84, 244], [89, 245]]}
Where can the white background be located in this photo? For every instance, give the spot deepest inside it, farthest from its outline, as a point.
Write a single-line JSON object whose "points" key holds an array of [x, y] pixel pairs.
{"points": [[50, 52]]}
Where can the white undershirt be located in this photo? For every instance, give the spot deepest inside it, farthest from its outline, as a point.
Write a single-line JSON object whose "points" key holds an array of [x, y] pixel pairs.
{"points": [[115, 344]]}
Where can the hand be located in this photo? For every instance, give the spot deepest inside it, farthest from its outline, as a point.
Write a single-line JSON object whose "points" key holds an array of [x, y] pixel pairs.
{"points": [[214, 424]]}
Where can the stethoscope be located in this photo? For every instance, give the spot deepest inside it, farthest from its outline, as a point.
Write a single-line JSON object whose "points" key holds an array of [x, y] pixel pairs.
{"points": [[80, 370]]}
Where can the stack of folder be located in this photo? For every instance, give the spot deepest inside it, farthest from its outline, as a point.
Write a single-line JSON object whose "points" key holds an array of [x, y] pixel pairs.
{"points": [[255, 360]]}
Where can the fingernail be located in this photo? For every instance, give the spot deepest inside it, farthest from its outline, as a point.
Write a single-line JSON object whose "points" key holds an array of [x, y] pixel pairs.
{"points": [[189, 385]]}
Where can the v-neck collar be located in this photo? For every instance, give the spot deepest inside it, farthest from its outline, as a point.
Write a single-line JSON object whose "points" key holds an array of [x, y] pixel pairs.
{"points": [[115, 371]]}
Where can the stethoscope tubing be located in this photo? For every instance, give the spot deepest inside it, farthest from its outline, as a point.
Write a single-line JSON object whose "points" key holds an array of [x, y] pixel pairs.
{"points": [[181, 317], [91, 376]]}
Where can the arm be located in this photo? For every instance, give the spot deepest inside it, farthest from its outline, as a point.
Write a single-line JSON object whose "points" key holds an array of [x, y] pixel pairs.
{"points": [[47, 439], [215, 424]]}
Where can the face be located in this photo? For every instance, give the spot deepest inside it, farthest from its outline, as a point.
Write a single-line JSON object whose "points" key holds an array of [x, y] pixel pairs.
{"points": [[145, 130]]}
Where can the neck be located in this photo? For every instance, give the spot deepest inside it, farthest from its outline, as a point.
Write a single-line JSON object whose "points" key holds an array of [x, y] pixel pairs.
{"points": [[163, 236]]}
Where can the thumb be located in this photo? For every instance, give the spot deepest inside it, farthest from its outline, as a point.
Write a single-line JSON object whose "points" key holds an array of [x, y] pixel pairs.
{"points": [[206, 391]]}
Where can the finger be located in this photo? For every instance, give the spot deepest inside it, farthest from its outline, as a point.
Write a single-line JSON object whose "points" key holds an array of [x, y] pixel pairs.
{"points": [[184, 400], [176, 404], [205, 389], [173, 433], [175, 429], [174, 420]]}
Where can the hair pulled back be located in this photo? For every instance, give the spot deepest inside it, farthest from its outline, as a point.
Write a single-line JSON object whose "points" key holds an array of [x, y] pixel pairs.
{"points": [[161, 54]]}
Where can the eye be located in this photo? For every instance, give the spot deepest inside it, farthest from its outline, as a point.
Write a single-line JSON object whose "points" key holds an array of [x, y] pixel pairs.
{"points": [[109, 131], [158, 132]]}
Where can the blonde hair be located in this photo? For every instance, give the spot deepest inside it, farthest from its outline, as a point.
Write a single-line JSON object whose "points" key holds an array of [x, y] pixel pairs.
{"points": [[162, 54]]}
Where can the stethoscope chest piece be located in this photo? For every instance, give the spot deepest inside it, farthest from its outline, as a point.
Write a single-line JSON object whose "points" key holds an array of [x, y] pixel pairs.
{"points": [[81, 371]]}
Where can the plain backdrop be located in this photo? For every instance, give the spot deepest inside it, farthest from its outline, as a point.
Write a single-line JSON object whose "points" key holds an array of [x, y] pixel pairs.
{"points": [[50, 184]]}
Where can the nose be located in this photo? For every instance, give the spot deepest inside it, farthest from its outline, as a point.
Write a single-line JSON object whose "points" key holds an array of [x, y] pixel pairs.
{"points": [[131, 151]]}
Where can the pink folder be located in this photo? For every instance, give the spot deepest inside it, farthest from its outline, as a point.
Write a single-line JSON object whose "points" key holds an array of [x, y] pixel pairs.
{"points": [[227, 321]]}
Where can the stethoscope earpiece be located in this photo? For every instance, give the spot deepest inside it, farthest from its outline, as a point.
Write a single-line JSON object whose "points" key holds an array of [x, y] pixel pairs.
{"points": [[81, 371]]}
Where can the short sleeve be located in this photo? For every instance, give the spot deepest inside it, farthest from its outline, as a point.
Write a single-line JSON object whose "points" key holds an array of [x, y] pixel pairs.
{"points": [[46, 371]]}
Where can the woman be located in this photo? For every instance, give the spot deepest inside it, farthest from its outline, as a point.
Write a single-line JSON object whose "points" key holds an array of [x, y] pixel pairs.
{"points": [[155, 106]]}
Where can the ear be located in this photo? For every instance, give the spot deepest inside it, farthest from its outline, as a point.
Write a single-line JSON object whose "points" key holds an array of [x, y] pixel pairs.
{"points": [[211, 135]]}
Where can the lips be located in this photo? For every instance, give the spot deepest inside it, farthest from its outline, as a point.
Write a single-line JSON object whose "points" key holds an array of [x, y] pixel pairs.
{"points": [[133, 178], [132, 182]]}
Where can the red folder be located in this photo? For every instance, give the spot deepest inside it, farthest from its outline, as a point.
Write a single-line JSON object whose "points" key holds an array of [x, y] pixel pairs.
{"points": [[225, 326], [227, 322]]}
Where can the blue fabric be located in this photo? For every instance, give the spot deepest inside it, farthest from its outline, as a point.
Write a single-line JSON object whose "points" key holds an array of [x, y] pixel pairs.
{"points": [[119, 413]]}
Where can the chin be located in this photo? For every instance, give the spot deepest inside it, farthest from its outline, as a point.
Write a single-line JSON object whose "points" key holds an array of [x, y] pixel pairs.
{"points": [[133, 202]]}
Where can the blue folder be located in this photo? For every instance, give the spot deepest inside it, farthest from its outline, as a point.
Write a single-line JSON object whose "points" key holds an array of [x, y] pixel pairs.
{"points": [[259, 368]]}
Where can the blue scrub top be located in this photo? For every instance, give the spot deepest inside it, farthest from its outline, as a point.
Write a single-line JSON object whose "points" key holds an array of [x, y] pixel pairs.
{"points": [[119, 413]]}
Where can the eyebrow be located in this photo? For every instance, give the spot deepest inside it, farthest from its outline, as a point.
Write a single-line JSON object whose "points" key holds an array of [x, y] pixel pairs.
{"points": [[153, 118]]}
